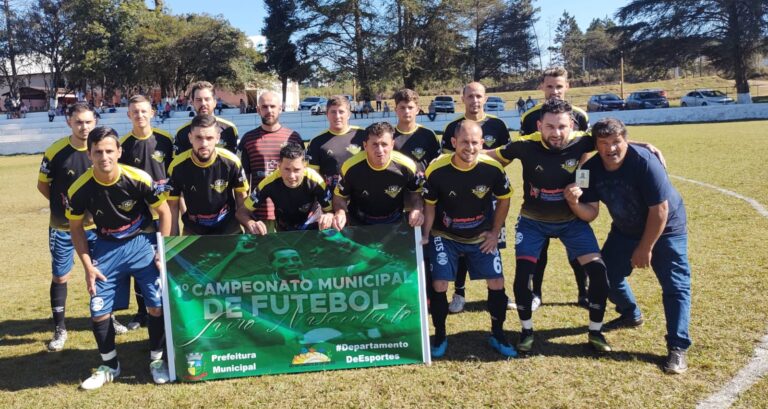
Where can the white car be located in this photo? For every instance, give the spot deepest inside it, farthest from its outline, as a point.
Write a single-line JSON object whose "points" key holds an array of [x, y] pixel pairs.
{"points": [[494, 104], [704, 97]]}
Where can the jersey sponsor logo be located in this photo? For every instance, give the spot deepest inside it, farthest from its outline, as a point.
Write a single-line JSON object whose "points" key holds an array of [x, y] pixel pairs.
{"points": [[570, 165], [463, 222], [393, 191], [127, 205], [418, 153], [219, 185], [547, 195], [489, 140], [481, 190], [353, 149], [158, 156], [44, 167]]}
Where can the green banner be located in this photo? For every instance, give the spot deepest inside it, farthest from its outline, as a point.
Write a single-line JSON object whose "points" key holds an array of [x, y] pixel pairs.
{"points": [[246, 305]]}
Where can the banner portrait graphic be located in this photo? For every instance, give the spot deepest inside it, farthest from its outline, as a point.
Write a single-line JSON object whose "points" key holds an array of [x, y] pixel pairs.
{"points": [[246, 305]]}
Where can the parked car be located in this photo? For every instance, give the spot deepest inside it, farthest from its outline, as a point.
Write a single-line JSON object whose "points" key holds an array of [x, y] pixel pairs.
{"points": [[445, 103], [494, 104], [310, 102], [647, 99], [704, 97], [605, 102]]}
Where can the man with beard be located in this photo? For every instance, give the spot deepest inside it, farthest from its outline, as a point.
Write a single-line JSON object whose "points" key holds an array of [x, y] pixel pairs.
{"points": [[203, 99], [210, 179], [259, 151]]}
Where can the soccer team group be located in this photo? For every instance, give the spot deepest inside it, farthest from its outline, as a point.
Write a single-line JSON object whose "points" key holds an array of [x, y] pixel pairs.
{"points": [[110, 195]]}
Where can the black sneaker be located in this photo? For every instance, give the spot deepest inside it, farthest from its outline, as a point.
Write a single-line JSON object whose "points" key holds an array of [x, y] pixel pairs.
{"points": [[623, 321], [138, 321], [675, 363], [598, 342]]}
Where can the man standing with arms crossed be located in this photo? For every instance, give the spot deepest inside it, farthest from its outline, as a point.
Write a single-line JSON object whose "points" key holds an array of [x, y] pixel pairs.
{"points": [[459, 218], [648, 230], [203, 99], [495, 134], [119, 197], [260, 151]]}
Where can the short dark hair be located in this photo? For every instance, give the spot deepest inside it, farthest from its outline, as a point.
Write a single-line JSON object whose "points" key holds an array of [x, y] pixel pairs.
{"points": [[378, 129], [554, 72], [100, 133], [292, 151], [406, 95], [556, 106], [337, 100], [201, 85], [203, 121], [79, 107], [609, 127], [271, 254]]}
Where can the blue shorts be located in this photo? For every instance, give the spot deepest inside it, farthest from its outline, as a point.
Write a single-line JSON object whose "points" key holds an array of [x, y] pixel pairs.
{"points": [[576, 235], [119, 259], [63, 251], [444, 258]]}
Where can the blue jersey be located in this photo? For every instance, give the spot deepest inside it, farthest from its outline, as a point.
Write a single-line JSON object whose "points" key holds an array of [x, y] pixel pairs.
{"points": [[628, 192]]}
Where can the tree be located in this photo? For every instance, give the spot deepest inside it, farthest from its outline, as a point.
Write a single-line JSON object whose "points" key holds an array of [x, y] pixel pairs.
{"points": [[49, 28], [569, 42], [667, 33], [11, 47], [485, 33], [281, 24], [601, 45]]}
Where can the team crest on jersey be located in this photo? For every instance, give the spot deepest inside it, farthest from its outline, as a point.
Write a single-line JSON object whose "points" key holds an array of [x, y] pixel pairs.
{"points": [[219, 185], [158, 156], [393, 191], [44, 167], [255, 196], [418, 153], [570, 165], [353, 149], [489, 140], [481, 190], [127, 205], [305, 207]]}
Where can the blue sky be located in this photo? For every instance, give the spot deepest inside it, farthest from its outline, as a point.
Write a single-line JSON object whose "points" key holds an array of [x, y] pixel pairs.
{"points": [[249, 16]]}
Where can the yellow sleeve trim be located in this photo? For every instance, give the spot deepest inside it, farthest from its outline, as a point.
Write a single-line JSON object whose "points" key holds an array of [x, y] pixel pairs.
{"points": [[42, 177], [269, 179], [404, 160], [430, 202], [440, 161], [507, 196], [312, 175], [354, 160], [71, 216]]}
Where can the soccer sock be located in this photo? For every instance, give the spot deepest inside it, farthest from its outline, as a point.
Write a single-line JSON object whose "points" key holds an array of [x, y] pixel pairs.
{"points": [[598, 289], [580, 276], [104, 332], [524, 272], [439, 307], [142, 308], [156, 330], [497, 307], [461, 277], [58, 302], [541, 265]]}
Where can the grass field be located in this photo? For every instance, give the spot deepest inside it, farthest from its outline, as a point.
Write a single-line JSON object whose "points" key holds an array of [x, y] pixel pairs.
{"points": [[728, 253]]}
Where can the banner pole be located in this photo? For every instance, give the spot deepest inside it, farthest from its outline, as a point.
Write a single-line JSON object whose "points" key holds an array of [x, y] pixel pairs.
{"points": [[166, 309], [426, 351]]}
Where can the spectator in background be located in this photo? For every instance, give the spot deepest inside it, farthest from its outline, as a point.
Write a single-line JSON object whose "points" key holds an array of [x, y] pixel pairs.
{"points": [[386, 109], [51, 114], [529, 103], [219, 105], [23, 109], [521, 105], [242, 106], [432, 111], [379, 97]]}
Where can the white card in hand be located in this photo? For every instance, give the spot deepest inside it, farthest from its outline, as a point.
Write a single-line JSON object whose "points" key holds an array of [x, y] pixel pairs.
{"points": [[582, 178]]}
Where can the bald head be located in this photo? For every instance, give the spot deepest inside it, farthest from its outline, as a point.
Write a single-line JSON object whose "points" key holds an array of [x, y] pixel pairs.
{"points": [[468, 129], [473, 97], [468, 142], [271, 96], [269, 110]]}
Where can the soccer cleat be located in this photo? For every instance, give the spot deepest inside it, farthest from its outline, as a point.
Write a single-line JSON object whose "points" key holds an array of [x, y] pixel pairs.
{"points": [[623, 321], [525, 344], [457, 304], [535, 303], [511, 305], [598, 342], [59, 338], [676, 362], [439, 351], [159, 370], [583, 302], [139, 320], [120, 329], [102, 375], [502, 347]]}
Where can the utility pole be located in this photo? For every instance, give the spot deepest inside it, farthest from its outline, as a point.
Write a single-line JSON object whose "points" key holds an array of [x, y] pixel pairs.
{"points": [[621, 81]]}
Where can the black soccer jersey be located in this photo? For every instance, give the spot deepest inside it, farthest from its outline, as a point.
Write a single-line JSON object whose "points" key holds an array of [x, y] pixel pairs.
{"points": [[208, 189], [546, 173], [376, 195], [62, 164], [120, 208], [328, 151], [293, 206], [495, 132], [528, 121], [463, 197], [228, 136], [421, 145], [152, 154]]}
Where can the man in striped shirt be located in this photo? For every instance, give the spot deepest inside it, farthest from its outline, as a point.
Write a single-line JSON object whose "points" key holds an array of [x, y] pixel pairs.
{"points": [[259, 150]]}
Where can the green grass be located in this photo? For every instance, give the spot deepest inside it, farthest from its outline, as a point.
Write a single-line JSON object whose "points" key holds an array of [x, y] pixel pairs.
{"points": [[728, 253]]}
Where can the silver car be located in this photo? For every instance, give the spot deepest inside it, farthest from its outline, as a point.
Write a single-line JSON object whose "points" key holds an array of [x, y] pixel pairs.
{"points": [[494, 104], [445, 103], [704, 97]]}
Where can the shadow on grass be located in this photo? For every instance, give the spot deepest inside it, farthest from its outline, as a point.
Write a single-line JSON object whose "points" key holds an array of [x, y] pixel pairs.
{"points": [[72, 366], [482, 306], [473, 346], [18, 328]]}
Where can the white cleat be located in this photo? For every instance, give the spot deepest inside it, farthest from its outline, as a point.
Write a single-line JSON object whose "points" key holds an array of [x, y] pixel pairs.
{"points": [[102, 375], [159, 370], [457, 304], [535, 303], [59, 338]]}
